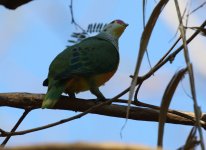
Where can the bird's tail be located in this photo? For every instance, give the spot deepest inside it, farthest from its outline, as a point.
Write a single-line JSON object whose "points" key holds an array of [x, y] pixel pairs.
{"points": [[52, 96]]}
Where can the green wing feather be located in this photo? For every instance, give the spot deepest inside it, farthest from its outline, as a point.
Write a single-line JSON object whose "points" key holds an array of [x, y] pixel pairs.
{"points": [[90, 57]]}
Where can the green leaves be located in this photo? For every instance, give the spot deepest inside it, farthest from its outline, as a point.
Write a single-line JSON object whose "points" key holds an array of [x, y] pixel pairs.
{"points": [[91, 28], [78, 37], [96, 27], [166, 99]]}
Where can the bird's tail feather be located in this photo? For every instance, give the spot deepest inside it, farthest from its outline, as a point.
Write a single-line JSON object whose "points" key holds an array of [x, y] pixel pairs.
{"points": [[52, 96]]}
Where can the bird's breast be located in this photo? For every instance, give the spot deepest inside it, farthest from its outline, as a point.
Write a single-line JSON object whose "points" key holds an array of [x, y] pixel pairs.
{"points": [[102, 78], [79, 83]]}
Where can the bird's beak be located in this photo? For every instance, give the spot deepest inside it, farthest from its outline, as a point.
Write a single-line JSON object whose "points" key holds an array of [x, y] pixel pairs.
{"points": [[126, 24]]}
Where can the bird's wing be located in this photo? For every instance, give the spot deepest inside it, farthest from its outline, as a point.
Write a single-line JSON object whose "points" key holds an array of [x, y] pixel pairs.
{"points": [[90, 57]]}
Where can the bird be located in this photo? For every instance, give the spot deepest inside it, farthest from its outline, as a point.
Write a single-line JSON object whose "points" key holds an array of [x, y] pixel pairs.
{"points": [[84, 66]]}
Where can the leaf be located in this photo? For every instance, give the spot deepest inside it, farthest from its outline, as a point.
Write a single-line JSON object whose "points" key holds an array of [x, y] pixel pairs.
{"points": [[143, 46], [79, 35], [144, 3], [92, 28], [72, 41], [89, 28], [104, 26], [166, 99], [98, 27]]}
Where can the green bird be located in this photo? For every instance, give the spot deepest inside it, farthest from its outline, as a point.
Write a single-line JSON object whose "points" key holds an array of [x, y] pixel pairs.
{"points": [[85, 66]]}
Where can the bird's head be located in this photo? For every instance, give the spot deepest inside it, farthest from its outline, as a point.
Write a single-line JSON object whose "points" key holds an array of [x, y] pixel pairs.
{"points": [[115, 28]]}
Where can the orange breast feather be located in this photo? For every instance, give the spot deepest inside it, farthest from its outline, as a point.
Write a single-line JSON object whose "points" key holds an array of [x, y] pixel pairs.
{"points": [[79, 84]]}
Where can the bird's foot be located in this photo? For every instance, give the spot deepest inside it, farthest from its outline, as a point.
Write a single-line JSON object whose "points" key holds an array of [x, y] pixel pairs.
{"points": [[99, 100], [72, 95]]}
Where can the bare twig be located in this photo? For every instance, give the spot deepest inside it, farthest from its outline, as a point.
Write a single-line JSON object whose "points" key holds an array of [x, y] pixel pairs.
{"points": [[191, 75], [144, 3], [72, 15], [16, 126], [137, 91], [175, 112], [202, 5], [167, 53], [172, 55]]}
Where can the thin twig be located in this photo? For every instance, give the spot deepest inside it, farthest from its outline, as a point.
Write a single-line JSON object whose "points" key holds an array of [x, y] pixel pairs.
{"points": [[175, 112], [144, 3], [148, 59], [138, 103], [171, 56], [16, 126], [190, 71], [202, 5], [72, 15], [167, 53]]}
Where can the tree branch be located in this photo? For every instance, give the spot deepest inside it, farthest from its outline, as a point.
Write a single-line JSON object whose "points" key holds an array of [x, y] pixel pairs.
{"points": [[13, 4], [28, 100]]}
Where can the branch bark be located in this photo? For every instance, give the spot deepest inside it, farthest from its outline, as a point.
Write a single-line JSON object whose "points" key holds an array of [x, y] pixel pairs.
{"points": [[13, 4], [33, 101]]}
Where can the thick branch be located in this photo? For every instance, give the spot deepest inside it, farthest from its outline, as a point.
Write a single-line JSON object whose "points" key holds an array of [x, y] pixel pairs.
{"points": [[33, 101]]}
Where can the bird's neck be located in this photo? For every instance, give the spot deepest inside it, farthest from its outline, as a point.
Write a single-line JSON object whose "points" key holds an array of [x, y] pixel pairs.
{"points": [[109, 38]]}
